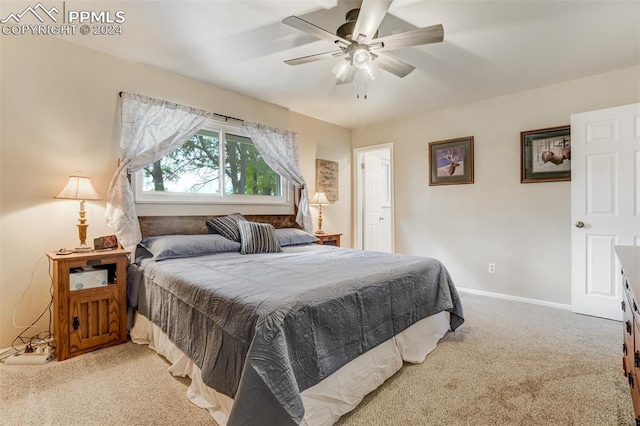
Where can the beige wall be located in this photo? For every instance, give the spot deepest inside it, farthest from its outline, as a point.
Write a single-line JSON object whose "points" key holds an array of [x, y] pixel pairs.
{"points": [[329, 142], [523, 228], [59, 114]]}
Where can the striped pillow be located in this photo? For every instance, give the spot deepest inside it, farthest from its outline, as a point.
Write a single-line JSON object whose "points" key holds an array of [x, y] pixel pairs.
{"points": [[227, 226], [258, 238]]}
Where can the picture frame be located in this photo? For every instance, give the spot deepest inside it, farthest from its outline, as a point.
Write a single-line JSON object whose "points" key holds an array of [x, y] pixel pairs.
{"points": [[451, 161], [327, 178], [545, 155]]}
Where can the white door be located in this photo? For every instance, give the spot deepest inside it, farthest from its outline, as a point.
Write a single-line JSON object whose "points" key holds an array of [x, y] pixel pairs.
{"points": [[372, 203], [386, 243], [605, 204], [373, 213]]}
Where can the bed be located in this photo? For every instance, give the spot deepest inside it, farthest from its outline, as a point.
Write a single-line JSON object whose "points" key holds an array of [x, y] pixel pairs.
{"points": [[295, 336]]}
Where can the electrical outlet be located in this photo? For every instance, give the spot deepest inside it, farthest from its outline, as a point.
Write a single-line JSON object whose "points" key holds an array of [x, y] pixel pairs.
{"points": [[43, 348], [492, 268]]}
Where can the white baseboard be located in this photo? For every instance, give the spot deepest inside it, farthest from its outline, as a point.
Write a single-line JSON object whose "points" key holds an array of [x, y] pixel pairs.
{"points": [[514, 298]]}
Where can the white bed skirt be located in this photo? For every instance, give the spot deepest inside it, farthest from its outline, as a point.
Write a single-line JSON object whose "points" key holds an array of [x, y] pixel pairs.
{"points": [[326, 401]]}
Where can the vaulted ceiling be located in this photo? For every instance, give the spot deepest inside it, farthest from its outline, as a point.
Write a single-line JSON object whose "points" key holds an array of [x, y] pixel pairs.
{"points": [[490, 48]]}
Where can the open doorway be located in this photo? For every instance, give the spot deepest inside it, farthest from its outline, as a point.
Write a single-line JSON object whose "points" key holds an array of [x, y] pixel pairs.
{"points": [[374, 198]]}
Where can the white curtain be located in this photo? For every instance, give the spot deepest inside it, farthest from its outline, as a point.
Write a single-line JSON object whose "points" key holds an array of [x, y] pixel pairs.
{"points": [[151, 129], [280, 151]]}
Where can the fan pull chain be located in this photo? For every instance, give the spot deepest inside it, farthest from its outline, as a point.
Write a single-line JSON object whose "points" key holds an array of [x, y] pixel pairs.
{"points": [[358, 90]]}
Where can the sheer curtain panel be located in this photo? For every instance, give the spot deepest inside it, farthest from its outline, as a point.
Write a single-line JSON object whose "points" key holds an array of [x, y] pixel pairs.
{"points": [[279, 149], [151, 129]]}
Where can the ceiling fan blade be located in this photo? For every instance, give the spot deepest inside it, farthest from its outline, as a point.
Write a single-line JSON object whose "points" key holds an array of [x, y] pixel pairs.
{"points": [[313, 58], [369, 19], [417, 37], [349, 77], [314, 30], [393, 65]]}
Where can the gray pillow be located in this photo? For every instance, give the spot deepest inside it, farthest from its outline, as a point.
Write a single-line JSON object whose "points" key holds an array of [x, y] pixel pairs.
{"points": [[227, 226], [173, 246], [258, 238], [294, 237]]}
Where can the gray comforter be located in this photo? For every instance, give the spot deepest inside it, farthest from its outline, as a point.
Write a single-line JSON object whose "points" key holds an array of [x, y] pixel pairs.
{"points": [[263, 328]]}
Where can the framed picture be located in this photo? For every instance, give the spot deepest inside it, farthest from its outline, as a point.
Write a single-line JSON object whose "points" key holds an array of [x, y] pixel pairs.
{"points": [[545, 155], [327, 175], [451, 161]]}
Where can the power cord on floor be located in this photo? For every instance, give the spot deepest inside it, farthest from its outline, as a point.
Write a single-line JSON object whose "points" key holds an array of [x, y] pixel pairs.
{"points": [[41, 342]]}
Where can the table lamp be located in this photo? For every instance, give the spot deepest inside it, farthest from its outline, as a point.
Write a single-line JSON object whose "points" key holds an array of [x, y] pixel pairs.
{"points": [[79, 187], [319, 198]]}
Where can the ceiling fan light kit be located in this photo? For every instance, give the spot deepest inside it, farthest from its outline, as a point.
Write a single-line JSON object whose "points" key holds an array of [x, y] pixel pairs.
{"points": [[370, 72], [341, 70], [361, 58], [358, 37]]}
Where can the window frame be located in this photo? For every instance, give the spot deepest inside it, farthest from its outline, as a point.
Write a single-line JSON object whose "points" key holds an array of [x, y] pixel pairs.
{"points": [[152, 197]]}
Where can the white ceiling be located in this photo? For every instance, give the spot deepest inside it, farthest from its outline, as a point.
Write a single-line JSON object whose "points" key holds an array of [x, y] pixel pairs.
{"points": [[490, 48]]}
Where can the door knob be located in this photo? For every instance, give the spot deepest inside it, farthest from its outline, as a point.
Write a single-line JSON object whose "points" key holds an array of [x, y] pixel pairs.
{"points": [[579, 224]]}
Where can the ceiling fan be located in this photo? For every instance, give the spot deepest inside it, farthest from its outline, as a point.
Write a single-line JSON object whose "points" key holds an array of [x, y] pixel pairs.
{"points": [[359, 44]]}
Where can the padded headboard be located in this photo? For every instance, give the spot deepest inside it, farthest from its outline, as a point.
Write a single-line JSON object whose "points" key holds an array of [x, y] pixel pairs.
{"points": [[151, 226]]}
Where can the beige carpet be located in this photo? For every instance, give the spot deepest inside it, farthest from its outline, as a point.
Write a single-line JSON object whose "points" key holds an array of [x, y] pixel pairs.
{"points": [[510, 364]]}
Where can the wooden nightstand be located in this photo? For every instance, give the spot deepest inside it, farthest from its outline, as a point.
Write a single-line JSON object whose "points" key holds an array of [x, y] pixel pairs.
{"points": [[328, 239], [88, 317]]}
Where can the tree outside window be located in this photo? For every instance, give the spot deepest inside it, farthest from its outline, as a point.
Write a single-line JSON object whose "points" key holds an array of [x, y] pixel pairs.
{"points": [[195, 167]]}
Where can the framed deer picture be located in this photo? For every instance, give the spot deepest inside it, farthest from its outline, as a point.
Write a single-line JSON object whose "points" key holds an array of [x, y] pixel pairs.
{"points": [[545, 155], [451, 161]]}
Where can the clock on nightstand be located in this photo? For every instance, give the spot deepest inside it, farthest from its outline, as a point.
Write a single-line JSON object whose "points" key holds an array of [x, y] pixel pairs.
{"points": [[89, 301], [328, 239]]}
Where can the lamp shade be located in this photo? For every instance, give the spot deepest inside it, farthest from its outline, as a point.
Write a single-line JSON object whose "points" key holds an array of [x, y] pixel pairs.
{"points": [[341, 70], [319, 198], [361, 58], [78, 187]]}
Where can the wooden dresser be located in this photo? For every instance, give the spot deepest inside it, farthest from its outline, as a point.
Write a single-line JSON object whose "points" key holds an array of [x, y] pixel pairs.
{"points": [[630, 269]]}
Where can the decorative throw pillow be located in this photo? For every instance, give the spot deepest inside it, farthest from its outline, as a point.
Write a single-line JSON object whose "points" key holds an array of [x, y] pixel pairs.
{"points": [[294, 237], [227, 226], [257, 238]]}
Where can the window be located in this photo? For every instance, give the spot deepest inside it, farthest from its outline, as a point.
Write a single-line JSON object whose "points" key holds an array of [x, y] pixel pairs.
{"points": [[217, 165]]}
